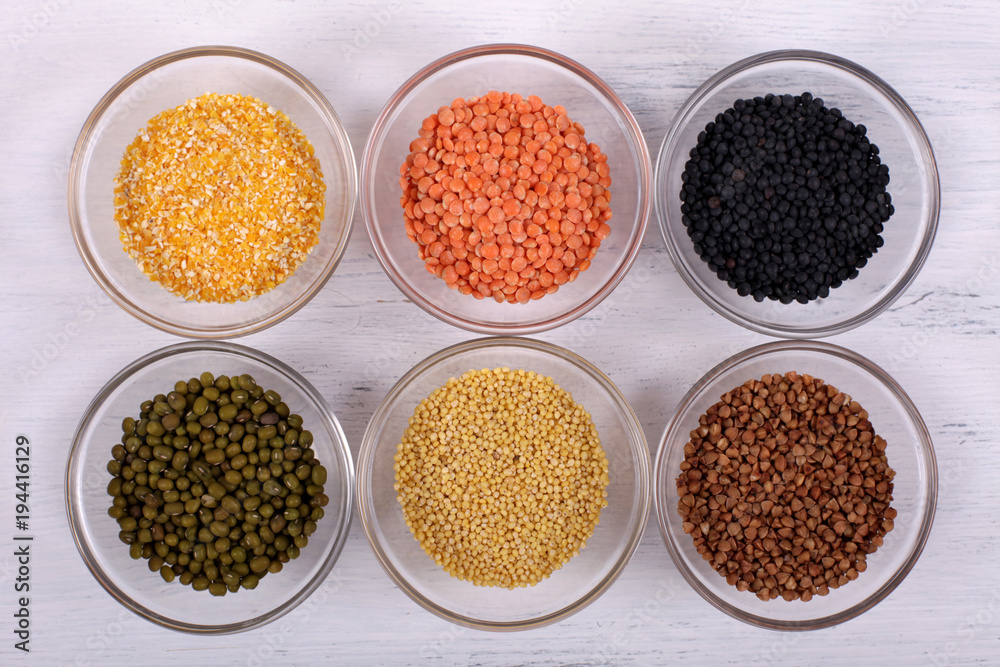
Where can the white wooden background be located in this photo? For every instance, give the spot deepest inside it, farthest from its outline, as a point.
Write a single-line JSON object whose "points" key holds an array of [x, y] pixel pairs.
{"points": [[62, 339]]}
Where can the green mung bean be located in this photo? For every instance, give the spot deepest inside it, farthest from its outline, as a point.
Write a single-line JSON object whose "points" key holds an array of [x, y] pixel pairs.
{"points": [[215, 484]]}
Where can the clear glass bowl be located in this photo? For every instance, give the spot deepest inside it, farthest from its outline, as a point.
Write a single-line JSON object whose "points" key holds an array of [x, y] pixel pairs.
{"points": [[556, 80], [174, 605], [910, 454], [165, 83], [581, 580], [903, 146]]}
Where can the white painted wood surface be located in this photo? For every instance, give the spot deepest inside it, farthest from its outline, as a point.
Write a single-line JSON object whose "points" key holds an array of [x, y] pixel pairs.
{"points": [[62, 339]]}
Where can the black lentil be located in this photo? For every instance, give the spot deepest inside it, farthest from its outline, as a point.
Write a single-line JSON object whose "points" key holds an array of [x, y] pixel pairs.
{"points": [[784, 198], [194, 491]]}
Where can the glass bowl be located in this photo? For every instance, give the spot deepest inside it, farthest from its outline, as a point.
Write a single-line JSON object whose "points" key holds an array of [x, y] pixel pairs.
{"points": [[526, 70], [165, 83], [903, 146], [909, 451], [583, 578], [174, 605]]}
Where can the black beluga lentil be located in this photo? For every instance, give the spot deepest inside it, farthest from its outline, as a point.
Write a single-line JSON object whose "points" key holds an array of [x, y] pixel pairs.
{"points": [[785, 198]]}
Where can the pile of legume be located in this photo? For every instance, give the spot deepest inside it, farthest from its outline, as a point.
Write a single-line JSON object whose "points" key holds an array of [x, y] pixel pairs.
{"points": [[504, 197], [216, 484], [501, 477], [785, 198], [219, 199], [785, 487]]}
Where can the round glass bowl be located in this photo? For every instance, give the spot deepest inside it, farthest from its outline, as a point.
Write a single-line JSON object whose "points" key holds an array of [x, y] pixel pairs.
{"points": [[526, 70], [909, 453], [903, 146], [581, 580], [165, 83], [174, 605]]}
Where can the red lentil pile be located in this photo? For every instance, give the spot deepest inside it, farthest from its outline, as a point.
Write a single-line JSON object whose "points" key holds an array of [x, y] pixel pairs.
{"points": [[785, 487], [505, 197], [219, 199]]}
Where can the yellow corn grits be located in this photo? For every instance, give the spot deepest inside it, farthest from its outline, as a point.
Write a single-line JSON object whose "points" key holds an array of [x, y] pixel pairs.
{"points": [[501, 477], [219, 199]]}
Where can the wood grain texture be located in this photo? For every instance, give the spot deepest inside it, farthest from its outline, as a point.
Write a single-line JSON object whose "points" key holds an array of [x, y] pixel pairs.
{"points": [[62, 339]]}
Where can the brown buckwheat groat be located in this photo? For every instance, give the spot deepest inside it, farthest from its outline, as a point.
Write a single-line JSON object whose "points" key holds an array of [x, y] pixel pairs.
{"points": [[785, 487]]}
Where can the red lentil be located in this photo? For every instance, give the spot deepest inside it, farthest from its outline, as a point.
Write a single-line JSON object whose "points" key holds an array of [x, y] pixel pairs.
{"points": [[505, 197]]}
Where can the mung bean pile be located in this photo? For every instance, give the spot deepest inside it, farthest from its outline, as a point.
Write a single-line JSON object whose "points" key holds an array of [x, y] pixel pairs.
{"points": [[216, 484], [501, 477], [785, 487]]}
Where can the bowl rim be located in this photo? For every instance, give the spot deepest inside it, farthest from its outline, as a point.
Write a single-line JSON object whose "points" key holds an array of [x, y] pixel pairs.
{"points": [[662, 477], [88, 137], [925, 153], [74, 512], [640, 455], [631, 127]]}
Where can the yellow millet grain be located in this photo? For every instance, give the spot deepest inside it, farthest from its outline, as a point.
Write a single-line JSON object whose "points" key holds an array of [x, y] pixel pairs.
{"points": [[501, 477], [219, 199]]}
